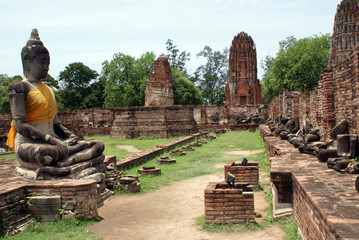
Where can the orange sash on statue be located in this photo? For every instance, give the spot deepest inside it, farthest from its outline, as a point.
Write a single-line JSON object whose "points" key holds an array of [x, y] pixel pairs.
{"points": [[40, 108]]}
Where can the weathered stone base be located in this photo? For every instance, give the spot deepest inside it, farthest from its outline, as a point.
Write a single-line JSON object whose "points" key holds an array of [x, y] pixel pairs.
{"points": [[75, 171]]}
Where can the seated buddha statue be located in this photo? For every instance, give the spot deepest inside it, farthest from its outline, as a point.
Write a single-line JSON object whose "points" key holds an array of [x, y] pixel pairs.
{"points": [[37, 137]]}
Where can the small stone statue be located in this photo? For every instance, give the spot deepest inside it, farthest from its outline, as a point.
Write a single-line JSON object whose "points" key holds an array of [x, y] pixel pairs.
{"points": [[40, 142]]}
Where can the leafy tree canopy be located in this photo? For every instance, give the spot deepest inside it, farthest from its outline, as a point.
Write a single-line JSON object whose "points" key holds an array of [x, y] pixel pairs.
{"points": [[125, 79], [77, 91], [213, 75], [176, 58], [184, 91], [297, 66], [5, 82]]}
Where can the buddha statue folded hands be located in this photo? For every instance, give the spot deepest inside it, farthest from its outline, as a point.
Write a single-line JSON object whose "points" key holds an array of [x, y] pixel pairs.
{"points": [[41, 143]]}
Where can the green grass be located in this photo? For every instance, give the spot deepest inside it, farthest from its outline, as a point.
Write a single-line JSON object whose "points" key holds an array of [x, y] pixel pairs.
{"points": [[201, 161], [228, 227], [139, 143], [8, 156], [62, 230]]}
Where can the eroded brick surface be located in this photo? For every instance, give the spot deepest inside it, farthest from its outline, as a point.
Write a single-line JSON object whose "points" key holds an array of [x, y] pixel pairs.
{"points": [[325, 202], [243, 87], [159, 91], [78, 196], [336, 97]]}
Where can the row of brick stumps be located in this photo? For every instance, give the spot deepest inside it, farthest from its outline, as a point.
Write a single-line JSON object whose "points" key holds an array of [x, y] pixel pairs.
{"points": [[226, 204], [144, 156]]}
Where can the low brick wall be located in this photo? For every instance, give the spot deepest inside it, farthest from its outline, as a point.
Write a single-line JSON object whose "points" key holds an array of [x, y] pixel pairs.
{"points": [[227, 204], [325, 202], [243, 174], [144, 156], [77, 196]]}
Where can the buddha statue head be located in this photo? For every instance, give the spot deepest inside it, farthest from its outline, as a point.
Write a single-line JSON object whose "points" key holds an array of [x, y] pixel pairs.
{"points": [[34, 48]]}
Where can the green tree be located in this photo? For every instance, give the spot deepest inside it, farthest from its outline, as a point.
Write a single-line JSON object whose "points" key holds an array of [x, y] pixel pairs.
{"points": [[51, 82], [77, 83], [176, 58], [297, 66], [125, 79], [184, 91], [5, 82], [212, 75]]}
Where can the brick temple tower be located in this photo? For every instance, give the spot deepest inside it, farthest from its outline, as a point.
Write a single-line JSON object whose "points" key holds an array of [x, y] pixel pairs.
{"points": [[345, 30], [159, 91], [243, 87]]}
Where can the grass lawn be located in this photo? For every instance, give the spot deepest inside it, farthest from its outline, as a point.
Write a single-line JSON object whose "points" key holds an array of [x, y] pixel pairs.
{"points": [[194, 163], [201, 161]]}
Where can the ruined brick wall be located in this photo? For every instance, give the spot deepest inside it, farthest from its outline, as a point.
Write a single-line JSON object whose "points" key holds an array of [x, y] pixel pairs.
{"points": [[5, 120], [88, 122], [152, 122], [336, 97], [243, 87], [346, 91], [224, 115], [345, 31], [159, 91], [325, 103], [287, 104]]}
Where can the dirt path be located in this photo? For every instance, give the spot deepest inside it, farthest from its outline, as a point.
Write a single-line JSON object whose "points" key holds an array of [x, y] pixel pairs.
{"points": [[170, 213]]}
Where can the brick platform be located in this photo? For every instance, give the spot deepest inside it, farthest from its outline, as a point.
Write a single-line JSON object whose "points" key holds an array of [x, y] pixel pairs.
{"points": [[243, 174], [326, 204], [228, 204], [77, 196]]}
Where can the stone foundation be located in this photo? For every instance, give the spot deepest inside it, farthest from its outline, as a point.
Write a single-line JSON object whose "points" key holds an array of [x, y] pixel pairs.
{"points": [[224, 203]]}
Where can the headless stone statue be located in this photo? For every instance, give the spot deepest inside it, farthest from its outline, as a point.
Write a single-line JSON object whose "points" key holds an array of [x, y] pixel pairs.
{"points": [[40, 142]]}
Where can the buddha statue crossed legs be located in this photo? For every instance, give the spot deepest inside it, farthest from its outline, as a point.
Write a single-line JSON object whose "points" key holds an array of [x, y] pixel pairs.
{"points": [[40, 142]]}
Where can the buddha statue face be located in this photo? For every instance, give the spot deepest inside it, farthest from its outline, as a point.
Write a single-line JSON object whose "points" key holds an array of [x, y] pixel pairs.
{"points": [[35, 58], [39, 67]]}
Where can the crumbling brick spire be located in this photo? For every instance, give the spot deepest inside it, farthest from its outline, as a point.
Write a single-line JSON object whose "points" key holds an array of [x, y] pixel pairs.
{"points": [[159, 91], [243, 87], [345, 30]]}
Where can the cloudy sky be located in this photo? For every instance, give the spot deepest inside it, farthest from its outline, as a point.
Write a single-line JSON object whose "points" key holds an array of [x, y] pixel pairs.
{"points": [[91, 31]]}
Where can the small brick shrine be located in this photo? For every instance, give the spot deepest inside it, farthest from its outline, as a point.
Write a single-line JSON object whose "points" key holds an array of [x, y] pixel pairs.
{"points": [[224, 203], [243, 174]]}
